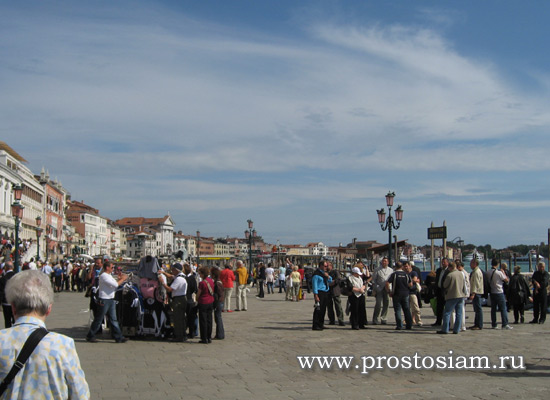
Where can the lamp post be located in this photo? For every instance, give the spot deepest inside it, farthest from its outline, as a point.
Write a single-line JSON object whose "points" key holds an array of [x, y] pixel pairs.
{"points": [[250, 234], [17, 212], [278, 253], [389, 223], [198, 247], [38, 234], [459, 243]]}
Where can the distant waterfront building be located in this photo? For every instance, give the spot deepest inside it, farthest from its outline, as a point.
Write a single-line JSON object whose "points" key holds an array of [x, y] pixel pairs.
{"points": [[54, 221], [296, 250], [116, 238], [90, 225], [141, 244], [317, 249], [221, 248], [11, 168], [161, 229]]}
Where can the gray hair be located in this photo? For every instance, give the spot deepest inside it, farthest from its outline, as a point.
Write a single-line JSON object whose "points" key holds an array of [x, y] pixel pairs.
{"points": [[30, 291]]}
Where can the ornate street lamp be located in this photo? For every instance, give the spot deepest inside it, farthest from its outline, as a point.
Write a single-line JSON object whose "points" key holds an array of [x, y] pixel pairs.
{"points": [[17, 192], [17, 212], [38, 234], [389, 223], [250, 235], [278, 253], [198, 247], [459, 243]]}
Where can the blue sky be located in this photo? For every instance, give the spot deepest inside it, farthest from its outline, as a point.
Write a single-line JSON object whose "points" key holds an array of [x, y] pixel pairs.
{"points": [[298, 115]]}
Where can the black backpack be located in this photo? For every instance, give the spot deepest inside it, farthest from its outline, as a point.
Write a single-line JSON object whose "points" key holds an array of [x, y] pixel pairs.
{"points": [[345, 287], [486, 285]]}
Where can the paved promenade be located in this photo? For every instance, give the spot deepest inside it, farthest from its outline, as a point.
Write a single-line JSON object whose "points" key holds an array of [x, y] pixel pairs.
{"points": [[258, 358]]}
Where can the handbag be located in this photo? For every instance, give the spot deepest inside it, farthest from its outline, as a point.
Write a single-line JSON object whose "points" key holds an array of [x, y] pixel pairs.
{"points": [[29, 346]]}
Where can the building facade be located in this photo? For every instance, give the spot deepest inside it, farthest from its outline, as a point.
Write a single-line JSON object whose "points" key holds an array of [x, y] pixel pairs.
{"points": [[91, 226]]}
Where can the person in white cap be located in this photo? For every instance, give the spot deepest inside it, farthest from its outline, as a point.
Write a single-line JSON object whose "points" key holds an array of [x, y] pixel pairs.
{"points": [[358, 313]]}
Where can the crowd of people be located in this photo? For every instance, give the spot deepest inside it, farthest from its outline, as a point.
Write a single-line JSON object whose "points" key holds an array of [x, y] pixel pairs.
{"points": [[196, 297], [8, 247], [445, 290]]}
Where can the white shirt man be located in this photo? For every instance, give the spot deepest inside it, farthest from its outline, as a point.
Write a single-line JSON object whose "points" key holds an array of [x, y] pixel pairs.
{"points": [[379, 279]]}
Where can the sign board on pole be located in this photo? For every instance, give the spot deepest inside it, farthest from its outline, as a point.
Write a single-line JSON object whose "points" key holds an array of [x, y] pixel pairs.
{"points": [[439, 232]]}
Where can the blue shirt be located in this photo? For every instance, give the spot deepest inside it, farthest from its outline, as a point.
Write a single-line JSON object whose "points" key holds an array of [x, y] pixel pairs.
{"points": [[52, 371], [318, 284]]}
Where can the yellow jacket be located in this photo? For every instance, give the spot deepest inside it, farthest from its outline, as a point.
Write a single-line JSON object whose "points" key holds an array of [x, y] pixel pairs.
{"points": [[243, 275]]}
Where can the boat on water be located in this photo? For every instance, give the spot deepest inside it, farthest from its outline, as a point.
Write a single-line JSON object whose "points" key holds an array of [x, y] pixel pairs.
{"points": [[417, 257], [531, 255], [469, 257]]}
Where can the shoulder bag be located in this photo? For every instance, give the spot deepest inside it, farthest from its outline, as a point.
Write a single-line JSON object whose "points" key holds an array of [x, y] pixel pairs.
{"points": [[29, 346]]}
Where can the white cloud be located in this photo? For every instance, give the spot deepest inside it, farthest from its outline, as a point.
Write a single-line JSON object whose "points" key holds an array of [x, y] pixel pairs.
{"points": [[209, 113]]}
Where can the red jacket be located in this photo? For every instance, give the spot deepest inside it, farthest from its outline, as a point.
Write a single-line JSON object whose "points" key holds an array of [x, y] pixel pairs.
{"points": [[227, 277]]}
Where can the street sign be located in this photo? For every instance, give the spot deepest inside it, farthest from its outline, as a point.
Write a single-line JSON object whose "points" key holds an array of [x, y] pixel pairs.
{"points": [[439, 232]]}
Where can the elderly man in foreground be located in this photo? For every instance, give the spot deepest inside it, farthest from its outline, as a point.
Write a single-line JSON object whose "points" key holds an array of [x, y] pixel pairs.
{"points": [[53, 369]]}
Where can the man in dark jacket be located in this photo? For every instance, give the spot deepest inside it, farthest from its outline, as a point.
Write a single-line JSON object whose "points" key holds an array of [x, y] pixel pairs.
{"points": [[6, 307], [440, 276], [261, 280], [540, 294], [191, 306], [399, 285], [333, 301]]}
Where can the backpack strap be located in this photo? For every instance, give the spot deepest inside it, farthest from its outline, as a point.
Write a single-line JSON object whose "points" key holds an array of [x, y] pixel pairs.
{"points": [[29, 346]]}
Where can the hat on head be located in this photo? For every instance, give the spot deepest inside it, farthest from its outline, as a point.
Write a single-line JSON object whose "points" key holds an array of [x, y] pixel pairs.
{"points": [[178, 266], [356, 270]]}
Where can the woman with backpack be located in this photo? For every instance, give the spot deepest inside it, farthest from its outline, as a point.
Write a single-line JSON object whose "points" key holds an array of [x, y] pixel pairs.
{"points": [[219, 300]]}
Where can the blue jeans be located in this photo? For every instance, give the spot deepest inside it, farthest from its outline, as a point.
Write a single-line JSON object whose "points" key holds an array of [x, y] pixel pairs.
{"points": [[456, 305], [402, 302], [105, 307], [476, 302], [498, 299], [282, 285], [220, 332]]}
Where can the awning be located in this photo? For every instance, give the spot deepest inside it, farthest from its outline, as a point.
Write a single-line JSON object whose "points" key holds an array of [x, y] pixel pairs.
{"points": [[383, 248]]}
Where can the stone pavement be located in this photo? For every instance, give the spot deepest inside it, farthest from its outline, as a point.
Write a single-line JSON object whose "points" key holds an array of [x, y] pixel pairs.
{"points": [[258, 358]]}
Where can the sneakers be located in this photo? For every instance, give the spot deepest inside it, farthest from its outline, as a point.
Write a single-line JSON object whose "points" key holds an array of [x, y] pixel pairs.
{"points": [[497, 327], [508, 327]]}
